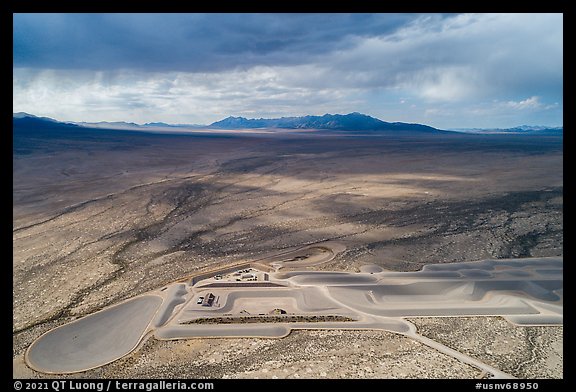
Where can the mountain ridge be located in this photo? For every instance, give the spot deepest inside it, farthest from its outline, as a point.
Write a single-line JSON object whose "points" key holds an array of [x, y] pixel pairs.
{"points": [[351, 122], [338, 122], [25, 120], [521, 129]]}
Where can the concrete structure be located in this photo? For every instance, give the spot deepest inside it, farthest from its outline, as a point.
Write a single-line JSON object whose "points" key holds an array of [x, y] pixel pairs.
{"points": [[208, 299]]}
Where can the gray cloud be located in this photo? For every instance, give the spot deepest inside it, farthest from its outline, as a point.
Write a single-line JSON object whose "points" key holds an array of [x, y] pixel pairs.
{"points": [[444, 70], [189, 42]]}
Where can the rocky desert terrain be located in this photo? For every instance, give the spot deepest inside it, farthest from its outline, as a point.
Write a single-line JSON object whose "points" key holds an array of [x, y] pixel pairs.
{"points": [[100, 219]]}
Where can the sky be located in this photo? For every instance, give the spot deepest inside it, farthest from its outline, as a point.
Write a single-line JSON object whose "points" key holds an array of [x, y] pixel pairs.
{"points": [[444, 70]]}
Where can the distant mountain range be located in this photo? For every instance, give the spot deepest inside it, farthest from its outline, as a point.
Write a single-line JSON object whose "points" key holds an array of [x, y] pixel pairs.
{"points": [[338, 122], [25, 120], [522, 129], [347, 122]]}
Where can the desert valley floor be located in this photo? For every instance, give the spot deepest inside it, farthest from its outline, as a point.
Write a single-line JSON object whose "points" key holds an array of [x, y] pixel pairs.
{"points": [[99, 220]]}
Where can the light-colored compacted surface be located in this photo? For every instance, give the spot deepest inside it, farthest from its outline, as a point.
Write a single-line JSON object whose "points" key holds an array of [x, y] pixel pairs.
{"points": [[235, 304], [95, 339]]}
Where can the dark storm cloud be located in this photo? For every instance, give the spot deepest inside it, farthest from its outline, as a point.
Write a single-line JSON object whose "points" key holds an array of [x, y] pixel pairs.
{"points": [[465, 70], [189, 42]]}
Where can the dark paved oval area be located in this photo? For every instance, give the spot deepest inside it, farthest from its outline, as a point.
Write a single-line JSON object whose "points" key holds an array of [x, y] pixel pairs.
{"points": [[94, 340]]}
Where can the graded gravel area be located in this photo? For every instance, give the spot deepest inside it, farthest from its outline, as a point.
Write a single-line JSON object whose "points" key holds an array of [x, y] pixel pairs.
{"points": [[95, 339], [519, 288]]}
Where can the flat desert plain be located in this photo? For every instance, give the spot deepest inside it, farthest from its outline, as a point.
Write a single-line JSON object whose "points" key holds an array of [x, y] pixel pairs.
{"points": [[102, 216]]}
